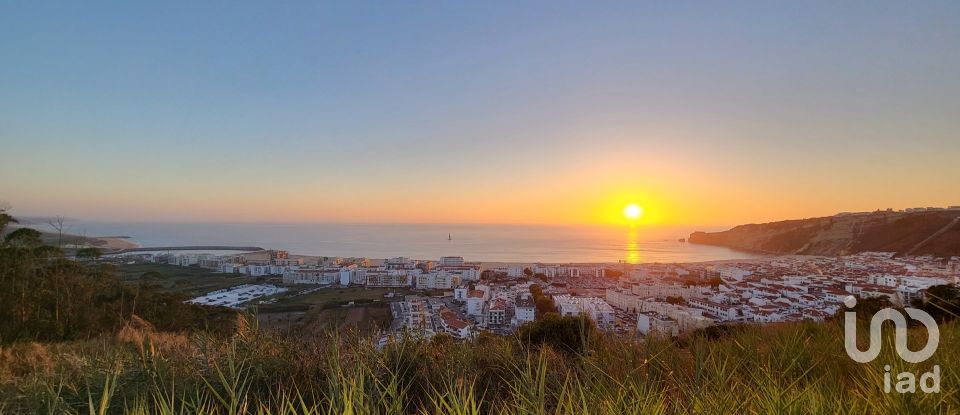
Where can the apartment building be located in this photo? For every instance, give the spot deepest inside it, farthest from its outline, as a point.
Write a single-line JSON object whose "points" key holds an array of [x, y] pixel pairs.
{"points": [[434, 281], [524, 311], [418, 313], [596, 308], [650, 323], [496, 313], [450, 261], [475, 302]]}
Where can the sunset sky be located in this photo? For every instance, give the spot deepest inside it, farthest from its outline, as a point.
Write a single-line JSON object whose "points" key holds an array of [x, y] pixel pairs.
{"points": [[713, 113]]}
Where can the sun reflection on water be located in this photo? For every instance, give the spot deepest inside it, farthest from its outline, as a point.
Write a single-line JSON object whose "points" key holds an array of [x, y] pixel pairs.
{"points": [[633, 247]]}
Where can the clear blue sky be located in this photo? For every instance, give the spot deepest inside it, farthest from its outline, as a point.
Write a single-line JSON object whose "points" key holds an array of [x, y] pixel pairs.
{"points": [[360, 111]]}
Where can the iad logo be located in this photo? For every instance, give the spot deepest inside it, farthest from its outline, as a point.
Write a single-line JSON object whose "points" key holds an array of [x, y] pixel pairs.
{"points": [[906, 381]]}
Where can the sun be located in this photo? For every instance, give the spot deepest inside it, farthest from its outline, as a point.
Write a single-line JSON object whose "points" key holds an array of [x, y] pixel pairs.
{"points": [[632, 211]]}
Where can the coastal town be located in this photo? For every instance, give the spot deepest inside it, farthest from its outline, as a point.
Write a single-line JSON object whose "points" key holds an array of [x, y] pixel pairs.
{"points": [[462, 299]]}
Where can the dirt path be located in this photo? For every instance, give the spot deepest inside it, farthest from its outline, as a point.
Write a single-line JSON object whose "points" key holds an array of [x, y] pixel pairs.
{"points": [[934, 236]]}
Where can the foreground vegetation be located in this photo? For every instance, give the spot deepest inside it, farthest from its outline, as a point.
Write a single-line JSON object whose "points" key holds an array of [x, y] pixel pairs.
{"points": [[47, 296], [793, 368], [75, 339]]}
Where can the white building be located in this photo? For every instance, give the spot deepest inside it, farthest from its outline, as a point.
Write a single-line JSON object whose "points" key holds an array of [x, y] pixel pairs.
{"points": [[567, 305], [453, 325], [731, 273], [475, 301], [418, 313], [400, 263], [524, 311], [512, 272], [623, 300], [321, 276], [598, 310], [497, 313], [255, 270], [655, 323], [461, 272], [434, 281], [186, 260], [451, 261], [388, 279], [657, 290], [721, 311]]}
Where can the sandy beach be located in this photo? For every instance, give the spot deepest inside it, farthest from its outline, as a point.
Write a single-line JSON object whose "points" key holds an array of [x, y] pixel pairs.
{"points": [[106, 243], [113, 243]]}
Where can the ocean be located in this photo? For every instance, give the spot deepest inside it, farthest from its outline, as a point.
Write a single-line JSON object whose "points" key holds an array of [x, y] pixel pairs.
{"points": [[489, 243]]}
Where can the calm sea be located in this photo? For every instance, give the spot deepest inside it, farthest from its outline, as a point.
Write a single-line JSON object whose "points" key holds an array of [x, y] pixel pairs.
{"points": [[507, 243]]}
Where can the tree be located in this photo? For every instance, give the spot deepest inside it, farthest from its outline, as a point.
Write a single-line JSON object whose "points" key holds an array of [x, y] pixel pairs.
{"points": [[612, 273], [536, 290], [572, 334], [867, 307], [942, 302], [545, 305], [5, 219], [715, 282], [46, 296], [528, 272], [23, 238], [57, 224]]}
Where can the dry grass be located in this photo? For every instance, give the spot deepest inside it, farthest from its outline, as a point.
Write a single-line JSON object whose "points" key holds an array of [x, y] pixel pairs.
{"points": [[789, 369]]}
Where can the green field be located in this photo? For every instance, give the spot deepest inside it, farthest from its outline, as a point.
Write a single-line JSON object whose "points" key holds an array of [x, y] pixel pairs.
{"points": [[321, 308], [328, 308], [192, 281], [330, 297]]}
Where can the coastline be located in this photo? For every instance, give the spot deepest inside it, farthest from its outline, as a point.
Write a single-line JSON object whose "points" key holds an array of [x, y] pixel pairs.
{"points": [[117, 243], [114, 243], [106, 243]]}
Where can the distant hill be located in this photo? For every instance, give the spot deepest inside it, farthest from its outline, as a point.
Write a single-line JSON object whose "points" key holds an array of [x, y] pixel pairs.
{"points": [[935, 232], [69, 241]]}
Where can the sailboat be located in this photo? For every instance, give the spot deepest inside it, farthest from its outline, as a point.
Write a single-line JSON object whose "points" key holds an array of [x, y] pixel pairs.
{"points": [[449, 237]]}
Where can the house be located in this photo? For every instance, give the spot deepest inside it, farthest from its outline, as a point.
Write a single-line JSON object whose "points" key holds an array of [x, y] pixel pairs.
{"points": [[453, 325]]}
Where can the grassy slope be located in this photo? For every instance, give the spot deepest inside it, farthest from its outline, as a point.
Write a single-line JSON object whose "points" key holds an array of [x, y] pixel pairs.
{"points": [[795, 368]]}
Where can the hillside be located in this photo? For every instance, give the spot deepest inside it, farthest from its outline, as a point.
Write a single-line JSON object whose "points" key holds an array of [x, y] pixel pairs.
{"points": [[69, 241], [916, 233]]}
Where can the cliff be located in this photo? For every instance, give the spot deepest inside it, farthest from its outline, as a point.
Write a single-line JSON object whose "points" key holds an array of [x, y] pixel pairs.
{"points": [[915, 233]]}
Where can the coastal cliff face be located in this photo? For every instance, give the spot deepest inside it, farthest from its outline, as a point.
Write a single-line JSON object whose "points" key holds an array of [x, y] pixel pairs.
{"points": [[915, 233]]}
